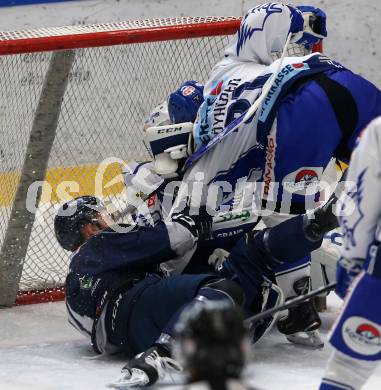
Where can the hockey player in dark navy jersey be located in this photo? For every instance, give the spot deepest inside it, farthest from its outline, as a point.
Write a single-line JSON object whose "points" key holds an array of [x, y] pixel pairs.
{"points": [[117, 295]]}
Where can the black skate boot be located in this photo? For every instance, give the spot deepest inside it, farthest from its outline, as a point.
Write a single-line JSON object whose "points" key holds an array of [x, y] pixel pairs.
{"points": [[302, 321]]}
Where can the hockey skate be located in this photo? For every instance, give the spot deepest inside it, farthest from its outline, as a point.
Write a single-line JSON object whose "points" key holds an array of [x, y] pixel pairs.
{"points": [[146, 369], [301, 324]]}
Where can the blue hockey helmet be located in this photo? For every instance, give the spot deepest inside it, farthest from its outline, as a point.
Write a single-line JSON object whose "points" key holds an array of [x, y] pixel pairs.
{"points": [[315, 26], [72, 216], [184, 103]]}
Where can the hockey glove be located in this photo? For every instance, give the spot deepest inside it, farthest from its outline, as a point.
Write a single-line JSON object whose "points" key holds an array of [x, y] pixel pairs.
{"points": [[199, 225], [184, 103], [346, 271], [141, 181], [322, 221], [314, 29]]}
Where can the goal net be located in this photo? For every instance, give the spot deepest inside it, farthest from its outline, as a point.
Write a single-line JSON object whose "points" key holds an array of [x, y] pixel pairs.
{"points": [[72, 97]]}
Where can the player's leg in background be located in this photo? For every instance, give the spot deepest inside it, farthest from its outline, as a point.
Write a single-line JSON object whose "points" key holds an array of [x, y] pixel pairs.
{"points": [[288, 273], [356, 337], [324, 259], [294, 278], [320, 266], [255, 257], [313, 271]]}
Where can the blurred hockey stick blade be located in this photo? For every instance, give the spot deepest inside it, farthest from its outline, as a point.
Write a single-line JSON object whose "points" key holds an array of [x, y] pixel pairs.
{"points": [[291, 303]]}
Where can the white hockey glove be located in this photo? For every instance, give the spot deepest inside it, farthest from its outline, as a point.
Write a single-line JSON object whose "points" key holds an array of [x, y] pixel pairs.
{"points": [[140, 182]]}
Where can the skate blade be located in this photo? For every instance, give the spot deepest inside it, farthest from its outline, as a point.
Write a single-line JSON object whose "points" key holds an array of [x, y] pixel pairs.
{"points": [[133, 380], [310, 339], [172, 380]]}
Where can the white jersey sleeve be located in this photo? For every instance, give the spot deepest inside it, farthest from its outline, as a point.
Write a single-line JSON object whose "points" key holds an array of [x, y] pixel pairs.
{"points": [[360, 206]]}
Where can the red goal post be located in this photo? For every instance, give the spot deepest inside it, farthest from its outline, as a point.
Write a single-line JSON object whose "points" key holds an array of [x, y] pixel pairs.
{"points": [[107, 34], [72, 97]]}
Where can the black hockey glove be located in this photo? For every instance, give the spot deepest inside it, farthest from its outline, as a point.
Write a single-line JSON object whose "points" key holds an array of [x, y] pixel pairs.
{"points": [[199, 225], [323, 221]]}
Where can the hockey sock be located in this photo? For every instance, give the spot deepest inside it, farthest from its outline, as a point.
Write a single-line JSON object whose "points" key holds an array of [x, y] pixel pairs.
{"points": [[287, 241], [346, 373]]}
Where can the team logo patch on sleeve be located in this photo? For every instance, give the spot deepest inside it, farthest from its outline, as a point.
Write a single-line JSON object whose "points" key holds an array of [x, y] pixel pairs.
{"points": [[303, 179], [362, 336]]}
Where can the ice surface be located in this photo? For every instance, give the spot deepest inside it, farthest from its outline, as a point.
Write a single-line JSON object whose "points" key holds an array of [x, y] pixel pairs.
{"points": [[40, 351]]}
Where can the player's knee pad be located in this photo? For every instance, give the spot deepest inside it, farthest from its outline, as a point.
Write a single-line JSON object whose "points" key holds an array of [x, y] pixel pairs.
{"points": [[223, 289], [324, 260], [346, 373], [286, 275], [272, 296]]}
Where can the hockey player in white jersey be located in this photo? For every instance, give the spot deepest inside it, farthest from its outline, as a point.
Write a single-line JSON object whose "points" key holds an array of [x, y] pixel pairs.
{"points": [[356, 336], [278, 146], [279, 157]]}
